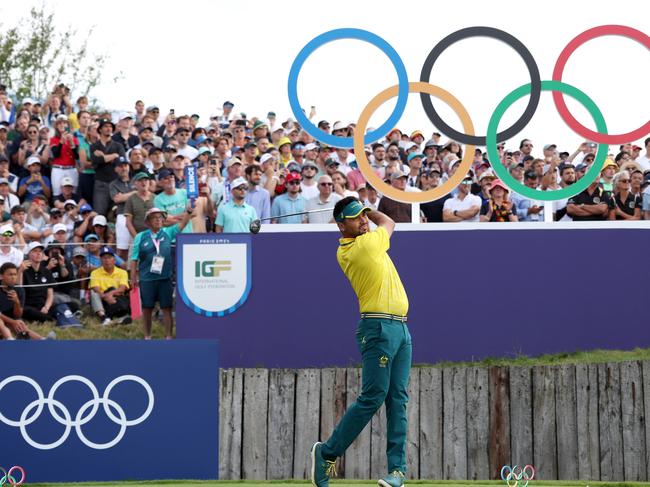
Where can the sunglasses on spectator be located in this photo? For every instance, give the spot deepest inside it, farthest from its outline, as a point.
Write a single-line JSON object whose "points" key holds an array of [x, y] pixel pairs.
{"points": [[294, 182], [326, 184], [8, 234], [467, 181], [623, 180], [32, 131]]}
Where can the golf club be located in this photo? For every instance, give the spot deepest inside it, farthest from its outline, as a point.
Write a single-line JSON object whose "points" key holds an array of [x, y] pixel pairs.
{"points": [[256, 225]]}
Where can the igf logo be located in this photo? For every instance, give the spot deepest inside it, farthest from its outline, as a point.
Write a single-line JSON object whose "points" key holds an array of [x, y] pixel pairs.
{"points": [[211, 268]]}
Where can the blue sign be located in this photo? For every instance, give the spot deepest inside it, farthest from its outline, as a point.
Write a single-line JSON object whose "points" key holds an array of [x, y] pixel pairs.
{"points": [[78, 411], [214, 272], [192, 181]]}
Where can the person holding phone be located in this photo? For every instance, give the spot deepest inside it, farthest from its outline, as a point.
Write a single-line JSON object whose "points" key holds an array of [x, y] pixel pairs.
{"points": [[64, 148]]}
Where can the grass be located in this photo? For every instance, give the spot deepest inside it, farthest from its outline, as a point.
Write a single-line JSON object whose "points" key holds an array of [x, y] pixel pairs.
{"points": [[341, 483]]}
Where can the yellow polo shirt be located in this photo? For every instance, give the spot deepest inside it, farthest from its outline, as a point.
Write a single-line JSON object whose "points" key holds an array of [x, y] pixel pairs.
{"points": [[103, 280], [372, 274]]}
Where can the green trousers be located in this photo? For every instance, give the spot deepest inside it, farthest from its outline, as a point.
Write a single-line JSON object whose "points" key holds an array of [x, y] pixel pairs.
{"points": [[385, 347]]}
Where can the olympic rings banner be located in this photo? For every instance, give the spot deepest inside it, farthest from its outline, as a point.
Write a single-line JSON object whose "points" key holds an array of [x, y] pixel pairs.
{"points": [[493, 136], [76, 411]]}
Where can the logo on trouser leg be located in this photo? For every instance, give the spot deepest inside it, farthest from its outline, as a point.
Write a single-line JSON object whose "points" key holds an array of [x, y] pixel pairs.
{"points": [[383, 360]]}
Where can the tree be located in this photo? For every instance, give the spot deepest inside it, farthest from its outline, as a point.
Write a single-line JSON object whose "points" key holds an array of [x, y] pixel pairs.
{"points": [[35, 56]]}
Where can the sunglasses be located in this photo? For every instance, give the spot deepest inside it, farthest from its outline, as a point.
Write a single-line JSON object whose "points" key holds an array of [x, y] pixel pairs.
{"points": [[325, 184], [242, 187], [623, 180], [294, 182], [8, 234], [467, 181]]}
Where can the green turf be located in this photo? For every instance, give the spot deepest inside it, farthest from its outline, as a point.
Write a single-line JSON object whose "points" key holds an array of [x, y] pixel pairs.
{"points": [[341, 483]]}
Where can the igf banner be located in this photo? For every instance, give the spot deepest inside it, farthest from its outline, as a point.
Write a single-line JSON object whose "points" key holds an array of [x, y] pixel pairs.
{"points": [[78, 411]]}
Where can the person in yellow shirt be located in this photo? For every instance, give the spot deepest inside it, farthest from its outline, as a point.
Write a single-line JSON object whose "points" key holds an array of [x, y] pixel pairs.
{"points": [[382, 337], [109, 287]]}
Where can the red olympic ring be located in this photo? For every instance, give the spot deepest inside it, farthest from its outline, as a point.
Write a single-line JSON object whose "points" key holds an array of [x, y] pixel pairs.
{"points": [[558, 97]]}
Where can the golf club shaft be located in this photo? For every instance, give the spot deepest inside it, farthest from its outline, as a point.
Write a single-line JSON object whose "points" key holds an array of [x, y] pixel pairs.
{"points": [[295, 214]]}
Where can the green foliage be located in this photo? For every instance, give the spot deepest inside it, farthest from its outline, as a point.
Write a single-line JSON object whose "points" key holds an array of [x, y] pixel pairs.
{"points": [[36, 55]]}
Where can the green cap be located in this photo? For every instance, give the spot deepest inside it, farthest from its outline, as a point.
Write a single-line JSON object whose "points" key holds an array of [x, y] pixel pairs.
{"points": [[140, 175], [352, 210]]}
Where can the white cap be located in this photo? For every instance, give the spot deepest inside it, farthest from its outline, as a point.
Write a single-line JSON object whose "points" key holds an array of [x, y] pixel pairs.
{"points": [[7, 228], [124, 115], [338, 126], [28, 100], [99, 220], [59, 227], [33, 160], [33, 245], [266, 157], [238, 182], [67, 181], [311, 146], [69, 202]]}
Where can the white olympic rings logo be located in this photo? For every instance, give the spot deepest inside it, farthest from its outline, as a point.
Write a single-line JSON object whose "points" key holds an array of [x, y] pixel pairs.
{"points": [[66, 420]]}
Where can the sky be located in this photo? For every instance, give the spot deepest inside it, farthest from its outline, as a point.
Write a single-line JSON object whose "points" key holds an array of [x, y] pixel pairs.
{"points": [[193, 56]]}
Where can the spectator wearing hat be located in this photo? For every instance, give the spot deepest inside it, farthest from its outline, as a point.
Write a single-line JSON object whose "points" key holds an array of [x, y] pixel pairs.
{"points": [[60, 236], [308, 185], [464, 206], [39, 296], [414, 161], [93, 245], [62, 273], [234, 170], [177, 165], [104, 153], [590, 205], [398, 211], [529, 210], [644, 160], [83, 224], [9, 200], [101, 228], [235, 216], [67, 193], [290, 202], [122, 134], [121, 189], [485, 181], [23, 229], [9, 251], [12, 179], [326, 199], [35, 183], [109, 287], [12, 300], [151, 267], [172, 201], [298, 152], [184, 149], [257, 196], [250, 152], [624, 205], [137, 205], [498, 208], [64, 149], [284, 146]]}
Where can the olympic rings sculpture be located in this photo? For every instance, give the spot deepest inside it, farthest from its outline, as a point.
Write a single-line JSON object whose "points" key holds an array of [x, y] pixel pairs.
{"points": [[66, 419], [517, 476], [492, 137], [8, 479]]}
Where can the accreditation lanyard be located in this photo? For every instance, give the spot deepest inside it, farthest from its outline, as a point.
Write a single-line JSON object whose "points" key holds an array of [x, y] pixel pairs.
{"points": [[158, 260]]}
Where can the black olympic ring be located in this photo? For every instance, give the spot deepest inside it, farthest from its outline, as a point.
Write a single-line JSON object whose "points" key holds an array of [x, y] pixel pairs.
{"points": [[517, 45]]}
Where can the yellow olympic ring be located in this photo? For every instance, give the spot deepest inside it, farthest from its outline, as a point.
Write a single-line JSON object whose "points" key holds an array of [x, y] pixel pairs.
{"points": [[376, 181]]}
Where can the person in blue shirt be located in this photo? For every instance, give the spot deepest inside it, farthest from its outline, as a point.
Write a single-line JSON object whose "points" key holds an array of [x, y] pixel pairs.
{"points": [[34, 184], [290, 202], [151, 267], [235, 216]]}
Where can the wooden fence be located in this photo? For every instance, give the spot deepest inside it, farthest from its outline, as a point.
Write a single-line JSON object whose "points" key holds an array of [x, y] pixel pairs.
{"points": [[583, 421]]}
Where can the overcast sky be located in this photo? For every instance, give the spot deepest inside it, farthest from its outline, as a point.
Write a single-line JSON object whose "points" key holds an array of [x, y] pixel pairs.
{"points": [[192, 56]]}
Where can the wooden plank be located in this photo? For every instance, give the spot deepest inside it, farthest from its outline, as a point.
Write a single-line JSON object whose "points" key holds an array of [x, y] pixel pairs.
{"points": [[454, 430], [413, 437], [357, 457], [545, 441], [646, 404], [256, 399], [609, 415], [499, 453], [307, 420], [566, 422], [378, 466], [521, 416], [431, 423], [282, 384], [587, 416], [332, 406], [634, 445], [478, 420], [231, 396]]}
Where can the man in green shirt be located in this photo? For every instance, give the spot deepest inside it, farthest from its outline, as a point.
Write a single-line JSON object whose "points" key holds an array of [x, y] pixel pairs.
{"points": [[172, 201], [151, 267]]}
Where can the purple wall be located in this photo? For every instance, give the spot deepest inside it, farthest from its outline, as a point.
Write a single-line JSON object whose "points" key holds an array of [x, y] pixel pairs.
{"points": [[473, 294]]}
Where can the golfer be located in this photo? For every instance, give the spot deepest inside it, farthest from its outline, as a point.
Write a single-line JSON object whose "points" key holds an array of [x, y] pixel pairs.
{"points": [[382, 337]]}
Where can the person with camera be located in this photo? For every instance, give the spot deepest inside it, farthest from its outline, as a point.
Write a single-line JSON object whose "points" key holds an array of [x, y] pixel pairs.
{"points": [[32, 146], [62, 273], [109, 286], [34, 184], [12, 299], [65, 153]]}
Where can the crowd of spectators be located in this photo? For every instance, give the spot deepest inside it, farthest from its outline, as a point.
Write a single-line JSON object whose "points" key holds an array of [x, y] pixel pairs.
{"points": [[79, 189]]}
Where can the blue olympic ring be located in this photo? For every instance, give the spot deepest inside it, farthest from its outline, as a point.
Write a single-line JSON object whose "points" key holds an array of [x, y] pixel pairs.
{"points": [[362, 35], [9, 479]]}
